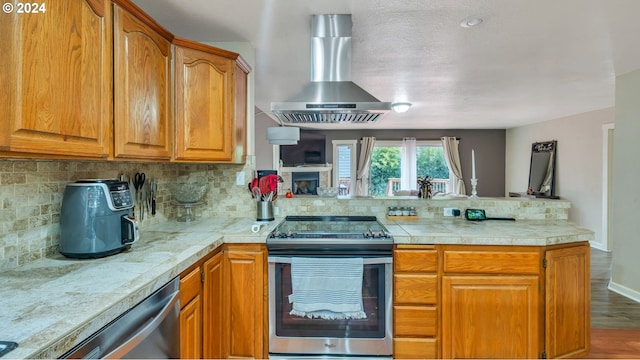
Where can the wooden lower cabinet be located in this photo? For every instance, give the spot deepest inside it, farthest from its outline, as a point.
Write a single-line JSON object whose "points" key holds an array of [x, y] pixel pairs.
{"points": [[490, 316], [415, 298], [223, 303], [415, 348], [212, 329], [244, 301], [472, 301], [568, 305], [191, 315], [200, 309]]}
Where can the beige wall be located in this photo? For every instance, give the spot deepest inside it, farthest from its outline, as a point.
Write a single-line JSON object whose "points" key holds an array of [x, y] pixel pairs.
{"points": [[264, 150], [626, 198], [578, 166], [488, 144]]}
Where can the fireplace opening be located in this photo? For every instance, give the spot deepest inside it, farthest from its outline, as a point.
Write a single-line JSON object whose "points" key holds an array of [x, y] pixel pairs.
{"points": [[305, 183]]}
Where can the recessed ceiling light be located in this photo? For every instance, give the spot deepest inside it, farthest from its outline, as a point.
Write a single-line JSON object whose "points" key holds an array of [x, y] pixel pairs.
{"points": [[471, 21]]}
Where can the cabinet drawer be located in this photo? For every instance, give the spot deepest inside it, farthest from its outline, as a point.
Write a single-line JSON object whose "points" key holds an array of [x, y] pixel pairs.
{"points": [[415, 320], [189, 286], [415, 288], [415, 260], [491, 262], [410, 348]]}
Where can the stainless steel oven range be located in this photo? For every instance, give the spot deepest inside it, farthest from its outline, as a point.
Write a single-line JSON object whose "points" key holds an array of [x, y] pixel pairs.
{"points": [[342, 261]]}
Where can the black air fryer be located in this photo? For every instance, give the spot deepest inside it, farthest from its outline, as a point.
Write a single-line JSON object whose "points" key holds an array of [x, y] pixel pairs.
{"points": [[96, 219]]}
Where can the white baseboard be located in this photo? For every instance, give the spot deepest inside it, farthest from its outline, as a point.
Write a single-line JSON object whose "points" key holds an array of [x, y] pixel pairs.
{"points": [[624, 291], [597, 245]]}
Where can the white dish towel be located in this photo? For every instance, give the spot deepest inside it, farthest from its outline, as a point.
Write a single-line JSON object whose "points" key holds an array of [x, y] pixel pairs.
{"points": [[327, 288]]}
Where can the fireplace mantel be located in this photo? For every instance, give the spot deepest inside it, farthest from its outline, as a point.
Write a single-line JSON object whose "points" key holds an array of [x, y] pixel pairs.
{"points": [[305, 168]]}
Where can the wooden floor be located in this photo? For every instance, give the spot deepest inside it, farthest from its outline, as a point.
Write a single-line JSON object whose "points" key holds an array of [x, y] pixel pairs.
{"points": [[615, 319]]}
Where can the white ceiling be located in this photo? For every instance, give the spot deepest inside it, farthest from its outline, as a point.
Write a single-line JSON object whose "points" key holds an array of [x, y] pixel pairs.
{"points": [[530, 61]]}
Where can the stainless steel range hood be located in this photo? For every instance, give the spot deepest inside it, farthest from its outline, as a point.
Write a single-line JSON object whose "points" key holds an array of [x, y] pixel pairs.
{"points": [[331, 96]]}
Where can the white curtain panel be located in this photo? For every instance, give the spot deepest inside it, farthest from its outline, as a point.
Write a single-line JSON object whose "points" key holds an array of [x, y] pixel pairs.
{"points": [[408, 176], [452, 157], [362, 175]]}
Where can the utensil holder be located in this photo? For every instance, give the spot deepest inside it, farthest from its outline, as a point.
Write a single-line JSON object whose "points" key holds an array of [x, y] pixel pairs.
{"points": [[264, 210]]}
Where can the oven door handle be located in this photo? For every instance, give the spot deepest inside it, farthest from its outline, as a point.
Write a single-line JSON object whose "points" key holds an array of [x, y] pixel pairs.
{"points": [[365, 261]]}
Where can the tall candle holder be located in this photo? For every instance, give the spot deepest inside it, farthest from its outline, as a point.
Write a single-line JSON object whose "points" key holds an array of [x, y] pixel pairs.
{"points": [[474, 193]]}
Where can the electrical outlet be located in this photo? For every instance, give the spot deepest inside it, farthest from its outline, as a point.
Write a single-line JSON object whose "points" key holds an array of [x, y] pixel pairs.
{"points": [[451, 212], [240, 178]]}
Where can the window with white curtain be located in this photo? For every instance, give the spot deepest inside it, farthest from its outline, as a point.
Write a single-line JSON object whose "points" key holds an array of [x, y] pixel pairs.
{"points": [[393, 160]]}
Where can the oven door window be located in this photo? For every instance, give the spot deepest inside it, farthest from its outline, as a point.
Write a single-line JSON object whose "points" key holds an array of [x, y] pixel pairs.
{"points": [[373, 298]]}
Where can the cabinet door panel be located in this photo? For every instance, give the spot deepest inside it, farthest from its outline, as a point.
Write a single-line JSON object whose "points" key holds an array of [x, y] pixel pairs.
{"points": [[213, 307], [58, 70], [243, 303], [191, 329], [142, 90], [490, 317], [204, 111], [241, 88], [568, 308]]}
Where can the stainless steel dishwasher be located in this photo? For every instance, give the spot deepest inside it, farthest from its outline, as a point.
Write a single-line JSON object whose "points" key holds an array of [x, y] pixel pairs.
{"points": [[148, 330]]}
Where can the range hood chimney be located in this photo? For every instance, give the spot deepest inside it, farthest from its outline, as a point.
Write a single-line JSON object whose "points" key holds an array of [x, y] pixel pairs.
{"points": [[331, 96]]}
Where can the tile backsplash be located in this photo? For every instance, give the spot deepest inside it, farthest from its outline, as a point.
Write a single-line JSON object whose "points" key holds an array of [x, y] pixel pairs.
{"points": [[31, 197]]}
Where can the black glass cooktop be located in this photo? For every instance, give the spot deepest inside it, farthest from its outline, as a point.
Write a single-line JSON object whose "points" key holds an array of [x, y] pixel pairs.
{"points": [[330, 227]]}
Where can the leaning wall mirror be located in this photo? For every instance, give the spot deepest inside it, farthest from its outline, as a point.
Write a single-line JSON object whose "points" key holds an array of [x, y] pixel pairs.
{"points": [[542, 169]]}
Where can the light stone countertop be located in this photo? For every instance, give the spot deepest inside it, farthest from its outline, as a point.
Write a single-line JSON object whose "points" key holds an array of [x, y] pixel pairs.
{"points": [[49, 306], [488, 232]]}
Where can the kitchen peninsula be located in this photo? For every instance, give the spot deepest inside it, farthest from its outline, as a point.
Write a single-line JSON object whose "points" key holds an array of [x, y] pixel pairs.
{"points": [[53, 304]]}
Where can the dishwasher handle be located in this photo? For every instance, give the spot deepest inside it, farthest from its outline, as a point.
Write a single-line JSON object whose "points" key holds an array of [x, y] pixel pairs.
{"points": [[145, 329]]}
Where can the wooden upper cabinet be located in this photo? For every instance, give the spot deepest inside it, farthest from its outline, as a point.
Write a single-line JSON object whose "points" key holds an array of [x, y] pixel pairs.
{"points": [[210, 103], [56, 74], [142, 89], [204, 102], [241, 87]]}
